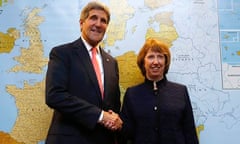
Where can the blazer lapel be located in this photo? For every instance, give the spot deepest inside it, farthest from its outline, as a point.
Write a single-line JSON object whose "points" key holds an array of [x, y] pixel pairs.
{"points": [[86, 62], [107, 72]]}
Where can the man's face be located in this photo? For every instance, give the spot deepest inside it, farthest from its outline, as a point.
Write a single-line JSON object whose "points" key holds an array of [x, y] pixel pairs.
{"points": [[94, 27]]}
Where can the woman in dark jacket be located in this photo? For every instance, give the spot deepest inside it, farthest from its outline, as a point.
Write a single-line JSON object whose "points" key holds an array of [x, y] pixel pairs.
{"points": [[157, 111]]}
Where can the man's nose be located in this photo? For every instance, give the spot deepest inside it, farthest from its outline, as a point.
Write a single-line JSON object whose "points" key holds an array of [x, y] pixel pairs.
{"points": [[98, 22]]}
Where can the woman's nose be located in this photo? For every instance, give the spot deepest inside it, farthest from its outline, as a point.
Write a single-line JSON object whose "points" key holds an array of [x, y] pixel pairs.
{"points": [[155, 60]]}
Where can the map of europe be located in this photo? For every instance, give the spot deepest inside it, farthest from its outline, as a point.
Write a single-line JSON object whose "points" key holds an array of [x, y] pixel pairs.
{"points": [[204, 40]]}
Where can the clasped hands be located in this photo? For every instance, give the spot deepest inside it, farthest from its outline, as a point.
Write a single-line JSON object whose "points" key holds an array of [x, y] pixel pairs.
{"points": [[111, 120]]}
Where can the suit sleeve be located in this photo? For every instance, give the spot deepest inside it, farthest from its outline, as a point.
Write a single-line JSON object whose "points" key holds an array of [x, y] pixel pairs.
{"points": [[58, 96], [126, 115], [189, 123]]}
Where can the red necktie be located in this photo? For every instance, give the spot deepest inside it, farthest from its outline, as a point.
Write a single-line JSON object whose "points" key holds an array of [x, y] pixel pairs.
{"points": [[97, 69]]}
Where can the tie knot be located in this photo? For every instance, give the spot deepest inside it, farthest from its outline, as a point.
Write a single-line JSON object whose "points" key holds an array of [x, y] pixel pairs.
{"points": [[94, 50]]}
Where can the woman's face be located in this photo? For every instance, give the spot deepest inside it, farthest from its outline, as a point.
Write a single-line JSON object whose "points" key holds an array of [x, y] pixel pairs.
{"points": [[154, 63]]}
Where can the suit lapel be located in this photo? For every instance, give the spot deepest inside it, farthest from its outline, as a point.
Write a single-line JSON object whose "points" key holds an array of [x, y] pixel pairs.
{"points": [[85, 61], [107, 72]]}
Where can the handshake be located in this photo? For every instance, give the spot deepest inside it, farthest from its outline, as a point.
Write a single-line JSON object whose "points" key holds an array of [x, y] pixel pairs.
{"points": [[111, 120]]}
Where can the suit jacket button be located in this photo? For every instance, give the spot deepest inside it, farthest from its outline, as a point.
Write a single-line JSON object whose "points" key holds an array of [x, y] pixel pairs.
{"points": [[155, 108]]}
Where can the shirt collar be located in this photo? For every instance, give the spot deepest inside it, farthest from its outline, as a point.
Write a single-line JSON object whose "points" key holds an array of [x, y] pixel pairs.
{"points": [[88, 46]]}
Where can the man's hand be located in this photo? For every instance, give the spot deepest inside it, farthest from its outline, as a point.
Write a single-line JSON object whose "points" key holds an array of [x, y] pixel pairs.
{"points": [[111, 120]]}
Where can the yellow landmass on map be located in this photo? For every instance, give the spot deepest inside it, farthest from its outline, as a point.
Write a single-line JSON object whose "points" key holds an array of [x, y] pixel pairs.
{"points": [[32, 58], [117, 26], [164, 18], [5, 2], [167, 32], [226, 36], [156, 3], [199, 129], [34, 116], [5, 138], [129, 72], [7, 40], [134, 29], [238, 53]]}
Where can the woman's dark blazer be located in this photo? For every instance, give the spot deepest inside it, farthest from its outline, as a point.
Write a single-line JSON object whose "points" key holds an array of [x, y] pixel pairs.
{"points": [[72, 91], [162, 116]]}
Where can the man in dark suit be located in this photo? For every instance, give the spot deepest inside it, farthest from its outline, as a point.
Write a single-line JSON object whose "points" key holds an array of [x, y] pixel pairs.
{"points": [[83, 112]]}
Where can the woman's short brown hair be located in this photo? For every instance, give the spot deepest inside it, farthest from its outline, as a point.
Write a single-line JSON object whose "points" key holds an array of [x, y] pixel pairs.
{"points": [[155, 46], [97, 6]]}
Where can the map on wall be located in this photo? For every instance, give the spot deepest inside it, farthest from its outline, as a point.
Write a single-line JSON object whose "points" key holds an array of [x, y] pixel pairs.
{"points": [[204, 39], [229, 30]]}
